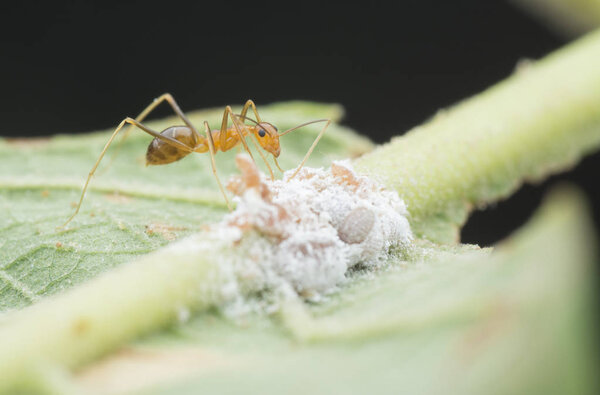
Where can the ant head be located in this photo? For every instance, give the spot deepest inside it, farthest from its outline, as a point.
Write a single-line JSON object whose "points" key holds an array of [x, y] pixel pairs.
{"points": [[267, 137]]}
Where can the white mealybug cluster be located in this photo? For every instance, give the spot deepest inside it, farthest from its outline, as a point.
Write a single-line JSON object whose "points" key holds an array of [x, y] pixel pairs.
{"points": [[299, 236], [318, 224]]}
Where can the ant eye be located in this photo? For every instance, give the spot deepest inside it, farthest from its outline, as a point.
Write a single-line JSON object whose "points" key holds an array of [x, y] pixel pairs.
{"points": [[262, 133]]}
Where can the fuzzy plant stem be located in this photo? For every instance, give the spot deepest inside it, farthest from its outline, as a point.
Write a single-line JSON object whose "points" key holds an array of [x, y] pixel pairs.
{"points": [[540, 120], [570, 17]]}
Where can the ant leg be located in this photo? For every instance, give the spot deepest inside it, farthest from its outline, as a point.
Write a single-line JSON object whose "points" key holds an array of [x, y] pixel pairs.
{"points": [[132, 122], [277, 164], [228, 113], [249, 104], [211, 150], [263, 158], [141, 116], [238, 128], [155, 103], [310, 150]]}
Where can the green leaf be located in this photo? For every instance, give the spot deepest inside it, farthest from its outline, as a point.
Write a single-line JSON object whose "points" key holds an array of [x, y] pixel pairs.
{"points": [[129, 210], [465, 321], [443, 318]]}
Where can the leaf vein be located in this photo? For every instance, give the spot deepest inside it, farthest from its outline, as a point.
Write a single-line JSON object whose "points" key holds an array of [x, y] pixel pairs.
{"points": [[18, 286]]}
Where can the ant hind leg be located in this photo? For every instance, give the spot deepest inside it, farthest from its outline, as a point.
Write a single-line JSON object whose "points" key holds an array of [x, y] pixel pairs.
{"points": [[142, 115], [211, 150], [155, 103], [239, 127], [132, 122]]}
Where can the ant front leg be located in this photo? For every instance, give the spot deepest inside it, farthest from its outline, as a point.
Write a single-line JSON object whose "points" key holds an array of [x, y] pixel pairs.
{"points": [[211, 151], [132, 122], [249, 104], [240, 128]]}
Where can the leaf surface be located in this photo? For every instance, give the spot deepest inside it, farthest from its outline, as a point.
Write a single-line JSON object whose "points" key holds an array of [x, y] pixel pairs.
{"points": [[452, 319], [129, 209], [464, 320]]}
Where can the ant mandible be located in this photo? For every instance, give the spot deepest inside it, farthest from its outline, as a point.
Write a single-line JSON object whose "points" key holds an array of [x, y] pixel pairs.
{"points": [[176, 142]]}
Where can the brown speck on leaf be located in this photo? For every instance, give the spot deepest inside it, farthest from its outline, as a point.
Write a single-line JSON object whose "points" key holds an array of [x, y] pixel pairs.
{"points": [[165, 230], [117, 198], [493, 324], [59, 244], [524, 65], [45, 193], [131, 370], [81, 326], [307, 294], [73, 204], [28, 143]]}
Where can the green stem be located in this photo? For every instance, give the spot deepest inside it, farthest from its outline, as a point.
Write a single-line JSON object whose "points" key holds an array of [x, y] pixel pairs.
{"points": [[570, 17], [541, 120]]}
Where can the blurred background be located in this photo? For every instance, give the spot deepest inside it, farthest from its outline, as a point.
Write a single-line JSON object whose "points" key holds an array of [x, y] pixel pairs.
{"points": [[73, 67]]}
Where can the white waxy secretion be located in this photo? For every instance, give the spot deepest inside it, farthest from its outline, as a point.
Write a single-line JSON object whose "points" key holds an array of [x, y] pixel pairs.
{"points": [[302, 235]]}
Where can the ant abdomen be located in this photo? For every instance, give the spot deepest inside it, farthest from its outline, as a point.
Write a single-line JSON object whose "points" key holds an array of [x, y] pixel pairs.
{"points": [[161, 153]]}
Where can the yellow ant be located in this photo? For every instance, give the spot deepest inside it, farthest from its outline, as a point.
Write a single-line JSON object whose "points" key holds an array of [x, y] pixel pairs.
{"points": [[176, 142]]}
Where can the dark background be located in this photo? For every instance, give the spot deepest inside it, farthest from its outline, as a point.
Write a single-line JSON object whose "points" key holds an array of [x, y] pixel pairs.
{"points": [[70, 67]]}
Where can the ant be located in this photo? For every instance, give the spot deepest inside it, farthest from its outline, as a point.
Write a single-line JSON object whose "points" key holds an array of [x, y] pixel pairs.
{"points": [[176, 142]]}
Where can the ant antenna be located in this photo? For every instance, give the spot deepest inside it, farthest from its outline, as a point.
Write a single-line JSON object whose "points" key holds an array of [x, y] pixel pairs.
{"points": [[302, 125], [310, 150], [312, 147], [287, 131]]}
